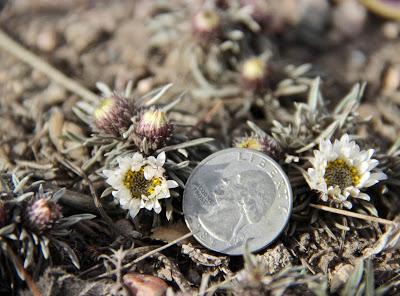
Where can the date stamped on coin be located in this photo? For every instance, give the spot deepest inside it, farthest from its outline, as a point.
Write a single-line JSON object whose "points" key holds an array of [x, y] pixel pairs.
{"points": [[237, 196]]}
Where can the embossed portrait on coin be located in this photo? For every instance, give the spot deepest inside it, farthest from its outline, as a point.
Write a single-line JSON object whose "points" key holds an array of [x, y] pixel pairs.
{"points": [[240, 200]]}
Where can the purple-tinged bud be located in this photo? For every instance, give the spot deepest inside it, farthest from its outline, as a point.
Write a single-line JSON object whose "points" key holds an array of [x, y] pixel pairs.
{"points": [[254, 74], [43, 213], [206, 24], [270, 15], [113, 115], [266, 144], [154, 127]]}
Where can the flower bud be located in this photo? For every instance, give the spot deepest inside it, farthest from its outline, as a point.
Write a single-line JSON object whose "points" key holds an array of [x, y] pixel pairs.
{"points": [[154, 127], [254, 74], [272, 16], [113, 115], [43, 213], [266, 144], [206, 24]]}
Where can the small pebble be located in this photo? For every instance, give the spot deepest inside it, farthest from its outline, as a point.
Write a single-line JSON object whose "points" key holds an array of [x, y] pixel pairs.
{"points": [[54, 94], [145, 85], [144, 285], [56, 122], [391, 30], [47, 40], [391, 79], [349, 17]]}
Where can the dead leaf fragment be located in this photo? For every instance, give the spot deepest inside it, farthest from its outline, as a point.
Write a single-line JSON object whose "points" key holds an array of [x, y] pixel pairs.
{"points": [[171, 232], [56, 123], [144, 285]]}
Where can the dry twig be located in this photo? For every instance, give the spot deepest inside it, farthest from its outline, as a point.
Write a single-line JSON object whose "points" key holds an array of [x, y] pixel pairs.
{"points": [[15, 49], [352, 214]]}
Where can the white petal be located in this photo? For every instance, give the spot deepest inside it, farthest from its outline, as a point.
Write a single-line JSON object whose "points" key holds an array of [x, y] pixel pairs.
{"points": [[363, 196], [108, 173], [345, 138], [137, 158], [149, 172], [362, 156], [172, 184], [370, 152], [157, 207], [134, 207], [164, 193], [364, 178], [345, 151], [136, 167], [347, 204], [375, 178], [152, 160], [324, 197], [325, 145], [125, 193], [362, 167], [149, 204], [124, 162], [354, 191], [355, 151], [372, 163], [161, 159], [337, 147]]}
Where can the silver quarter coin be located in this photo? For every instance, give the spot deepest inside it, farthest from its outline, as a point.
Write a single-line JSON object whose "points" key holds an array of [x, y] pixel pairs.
{"points": [[236, 196]]}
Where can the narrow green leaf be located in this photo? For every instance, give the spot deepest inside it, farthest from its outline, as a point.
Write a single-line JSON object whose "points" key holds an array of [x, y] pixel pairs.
{"points": [[314, 94], [370, 280], [71, 220], [187, 144], [7, 230]]}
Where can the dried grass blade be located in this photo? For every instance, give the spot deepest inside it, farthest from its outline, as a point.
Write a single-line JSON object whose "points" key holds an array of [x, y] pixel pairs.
{"points": [[352, 214]]}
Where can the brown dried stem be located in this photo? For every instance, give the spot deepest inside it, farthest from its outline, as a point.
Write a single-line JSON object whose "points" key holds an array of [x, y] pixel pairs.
{"points": [[148, 254], [21, 270], [207, 117], [354, 215]]}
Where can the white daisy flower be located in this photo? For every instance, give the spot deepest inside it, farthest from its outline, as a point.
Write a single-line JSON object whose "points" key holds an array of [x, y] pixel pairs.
{"points": [[140, 182], [341, 170]]}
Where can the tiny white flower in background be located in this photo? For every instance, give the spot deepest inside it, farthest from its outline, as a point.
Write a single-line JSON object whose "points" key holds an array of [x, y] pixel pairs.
{"points": [[341, 170], [140, 182]]}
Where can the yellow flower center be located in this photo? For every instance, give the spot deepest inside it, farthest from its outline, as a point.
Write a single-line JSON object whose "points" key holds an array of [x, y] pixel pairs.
{"points": [[249, 143], [254, 68], [103, 108], [339, 173], [138, 185]]}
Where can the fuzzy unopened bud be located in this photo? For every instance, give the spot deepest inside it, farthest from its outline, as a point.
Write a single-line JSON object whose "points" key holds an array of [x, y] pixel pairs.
{"points": [[266, 144], [43, 213], [206, 24], [254, 74], [113, 115], [154, 127]]}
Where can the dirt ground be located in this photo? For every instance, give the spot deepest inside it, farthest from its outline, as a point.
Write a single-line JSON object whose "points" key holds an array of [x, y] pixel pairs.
{"points": [[150, 43]]}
